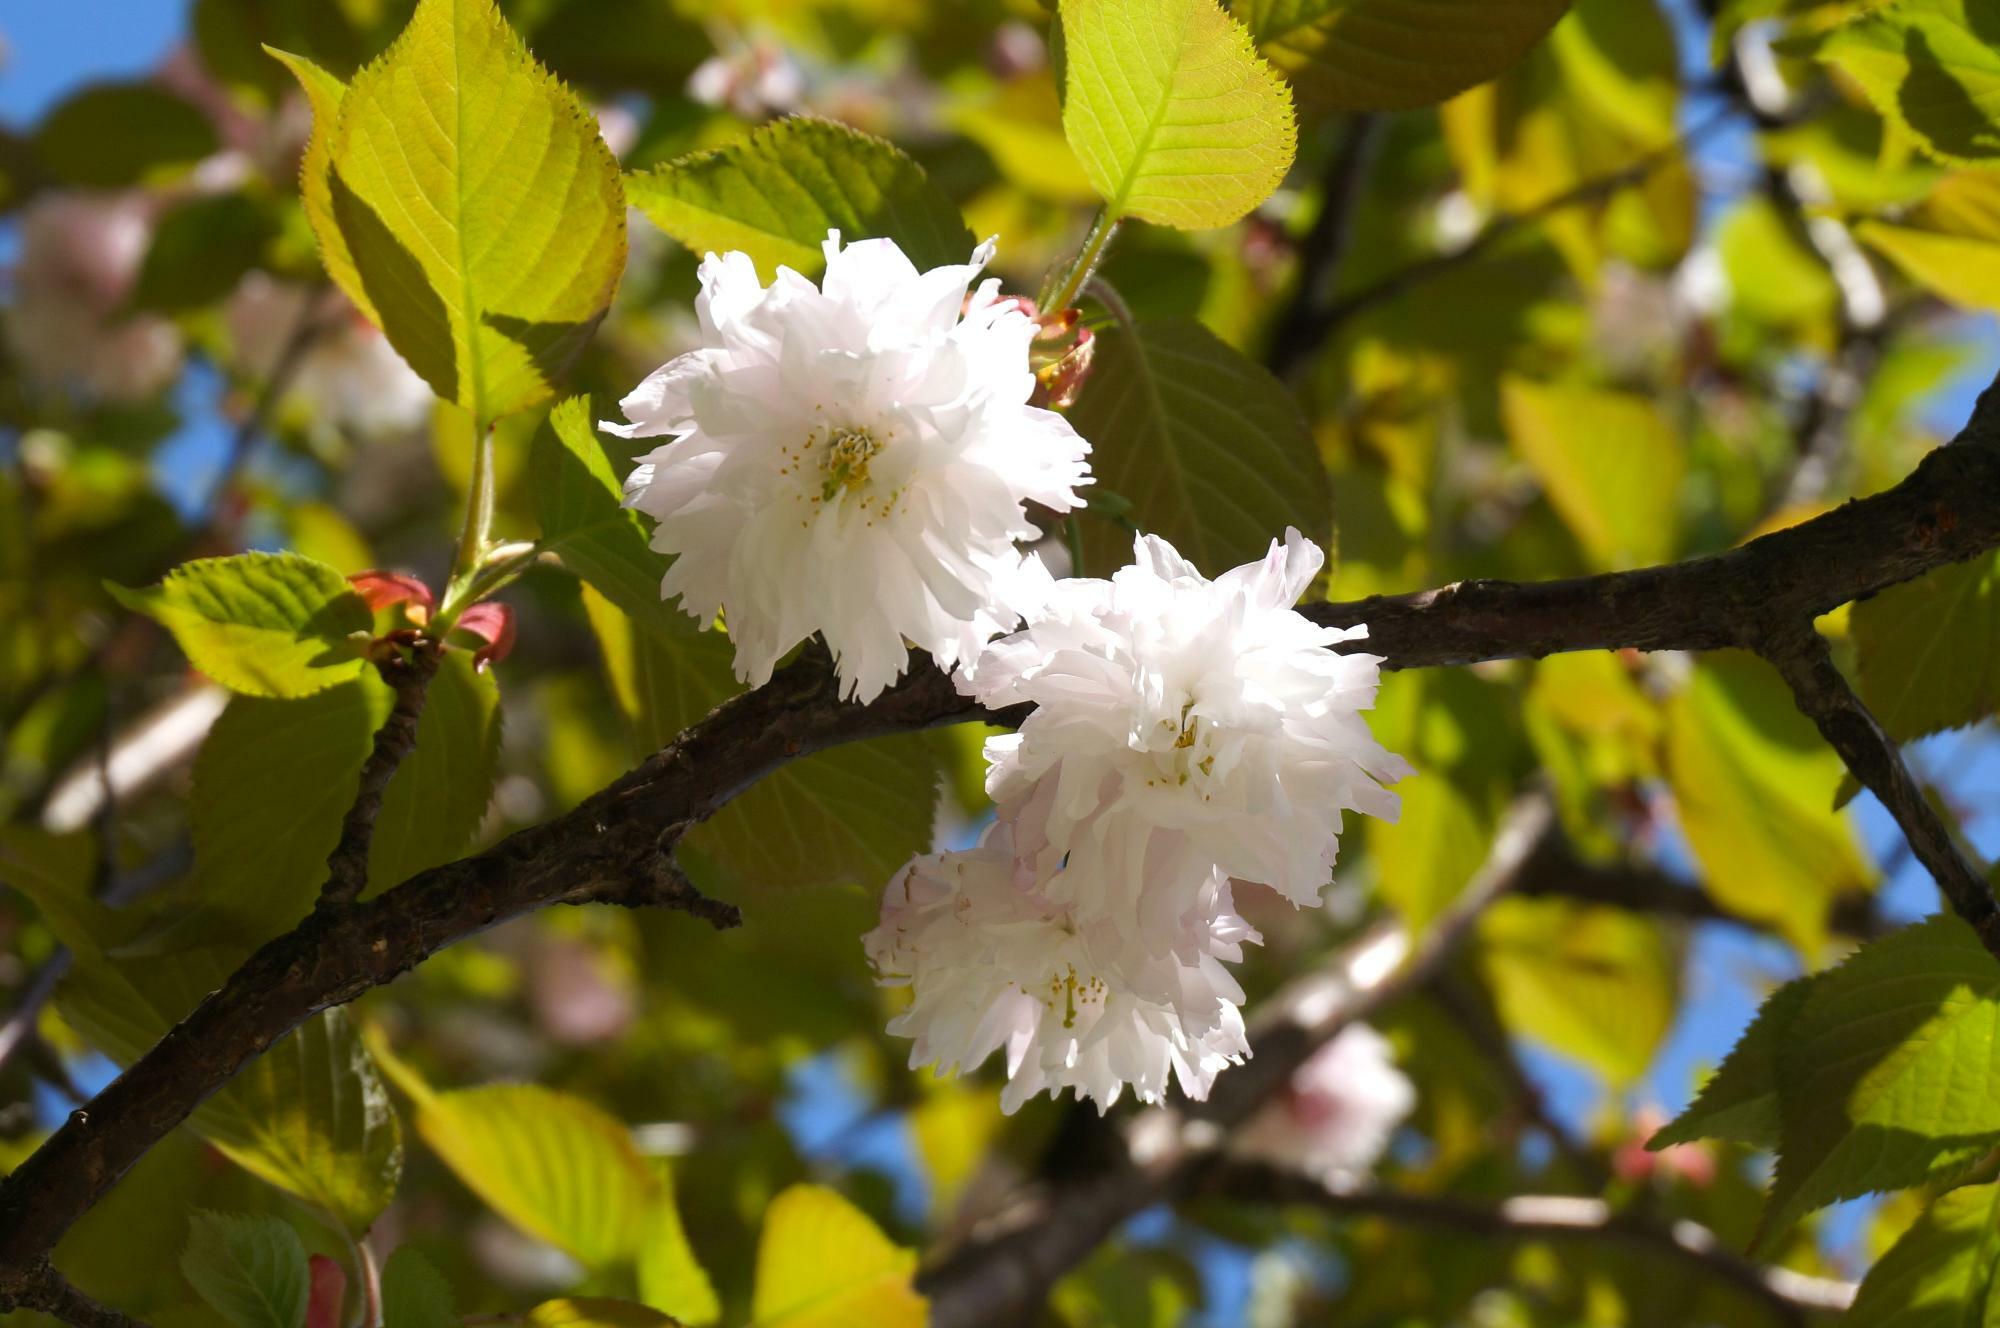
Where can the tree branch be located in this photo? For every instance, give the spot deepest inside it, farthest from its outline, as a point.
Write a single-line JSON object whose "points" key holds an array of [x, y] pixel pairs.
{"points": [[1946, 511], [410, 678], [1324, 247], [43, 1288], [1824, 696], [1786, 1294]]}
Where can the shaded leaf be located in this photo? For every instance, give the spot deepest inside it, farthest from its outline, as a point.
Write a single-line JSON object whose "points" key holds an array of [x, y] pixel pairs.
{"points": [[822, 1264], [775, 194], [415, 1294], [261, 624], [1208, 447], [1392, 55], [201, 248], [578, 502], [251, 1270], [116, 134], [1173, 114], [1740, 1100]]}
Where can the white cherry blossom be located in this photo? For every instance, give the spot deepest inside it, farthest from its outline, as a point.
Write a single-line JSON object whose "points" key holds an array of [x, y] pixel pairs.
{"points": [[994, 961], [1183, 725], [852, 458]]}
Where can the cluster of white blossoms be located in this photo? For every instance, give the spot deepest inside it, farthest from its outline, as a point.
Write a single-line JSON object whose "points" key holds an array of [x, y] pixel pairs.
{"points": [[855, 459]]}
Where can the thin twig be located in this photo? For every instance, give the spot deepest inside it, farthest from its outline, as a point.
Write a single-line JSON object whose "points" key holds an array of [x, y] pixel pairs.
{"points": [[1786, 1294], [42, 1288], [1324, 247], [1321, 323], [347, 865], [1824, 696]]}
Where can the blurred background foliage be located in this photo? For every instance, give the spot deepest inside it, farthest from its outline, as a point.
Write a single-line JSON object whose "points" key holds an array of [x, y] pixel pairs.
{"points": [[1683, 273]]}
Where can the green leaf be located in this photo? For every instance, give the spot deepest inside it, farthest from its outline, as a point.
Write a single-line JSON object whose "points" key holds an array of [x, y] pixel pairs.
{"points": [[671, 1278], [578, 502], [775, 194], [1928, 651], [480, 208], [1943, 1273], [261, 624], [415, 1294], [1208, 447], [1171, 111], [852, 814], [272, 783], [1609, 463], [555, 1166], [1740, 1100], [201, 249], [1931, 66], [822, 1264], [117, 134], [439, 795], [1754, 783], [251, 1270], [1394, 55], [596, 1312], [1888, 1076]]}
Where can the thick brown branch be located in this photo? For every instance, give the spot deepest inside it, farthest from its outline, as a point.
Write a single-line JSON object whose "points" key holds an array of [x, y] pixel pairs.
{"points": [[1947, 511], [1848, 726], [1786, 1294], [347, 865]]}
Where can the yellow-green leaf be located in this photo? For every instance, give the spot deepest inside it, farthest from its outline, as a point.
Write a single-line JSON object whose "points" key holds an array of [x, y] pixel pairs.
{"points": [[324, 93], [1928, 651], [1392, 55], [595, 1312], [1933, 66], [775, 194], [555, 1166], [482, 211], [1174, 116], [1609, 462], [1754, 786], [1943, 1273], [821, 1263], [261, 624]]}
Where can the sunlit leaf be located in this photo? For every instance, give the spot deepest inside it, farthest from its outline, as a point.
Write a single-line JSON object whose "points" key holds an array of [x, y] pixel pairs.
{"points": [[822, 1264], [1608, 461], [1887, 1075], [595, 1312], [1172, 113], [1933, 66], [1942, 1273], [775, 194], [481, 212], [1595, 983], [262, 624], [1208, 448], [1388, 55], [1740, 1100]]}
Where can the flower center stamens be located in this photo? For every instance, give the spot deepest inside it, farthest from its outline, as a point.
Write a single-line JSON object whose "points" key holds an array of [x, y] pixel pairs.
{"points": [[845, 465]]}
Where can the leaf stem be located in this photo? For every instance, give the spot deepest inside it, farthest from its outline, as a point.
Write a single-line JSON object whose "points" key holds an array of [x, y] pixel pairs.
{"points": [[1085, 263], [478, 504]]}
